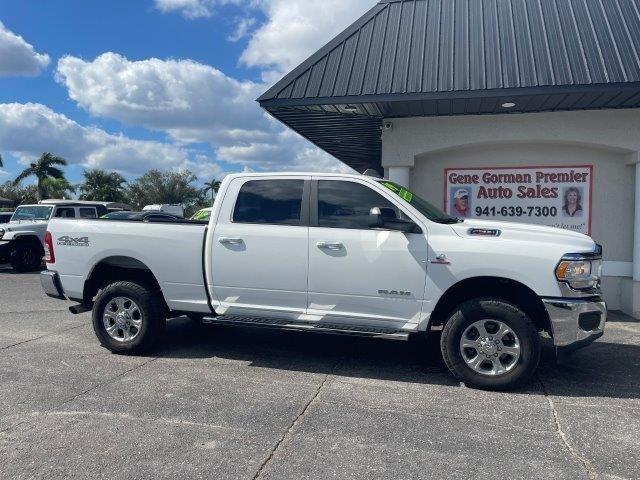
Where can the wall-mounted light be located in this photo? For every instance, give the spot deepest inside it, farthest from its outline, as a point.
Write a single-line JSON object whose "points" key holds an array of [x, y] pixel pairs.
{"points": [[508, 105], [350, 108]]}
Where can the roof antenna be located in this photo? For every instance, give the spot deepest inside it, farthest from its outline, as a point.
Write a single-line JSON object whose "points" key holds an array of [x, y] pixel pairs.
{"points": [[370, 172]]}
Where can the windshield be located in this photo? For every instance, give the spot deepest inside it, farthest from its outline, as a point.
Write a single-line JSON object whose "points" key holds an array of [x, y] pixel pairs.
{"points": [[32, 212], [425, 208]]}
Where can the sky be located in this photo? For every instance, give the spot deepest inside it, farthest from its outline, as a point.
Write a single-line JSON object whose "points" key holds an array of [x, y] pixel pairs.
{"points": [[130, 85]]}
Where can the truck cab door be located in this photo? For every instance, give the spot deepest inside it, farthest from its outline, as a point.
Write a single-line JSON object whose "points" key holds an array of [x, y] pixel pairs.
{"points": [[259, 257], [359, 274]]}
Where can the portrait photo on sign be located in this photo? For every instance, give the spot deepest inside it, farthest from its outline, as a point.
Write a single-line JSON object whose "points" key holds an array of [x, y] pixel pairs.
{"points": [[572, 198], [460, 201]]}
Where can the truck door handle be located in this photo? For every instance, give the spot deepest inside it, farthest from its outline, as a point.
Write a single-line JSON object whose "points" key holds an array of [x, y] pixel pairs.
{"points": [[230, 241], [330, 245]]}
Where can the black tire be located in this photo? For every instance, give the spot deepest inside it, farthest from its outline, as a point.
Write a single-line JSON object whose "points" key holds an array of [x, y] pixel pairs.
{"points": [[151, 311], [26, 257], [506, 313], [196, 318]]}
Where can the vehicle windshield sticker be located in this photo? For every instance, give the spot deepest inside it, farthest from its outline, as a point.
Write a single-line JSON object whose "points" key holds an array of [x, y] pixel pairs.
{"points": [[401, 192], [201, 215]]}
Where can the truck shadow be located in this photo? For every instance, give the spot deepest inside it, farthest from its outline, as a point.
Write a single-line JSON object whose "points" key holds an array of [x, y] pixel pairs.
{"points": [[604, 369], [416, 361]]}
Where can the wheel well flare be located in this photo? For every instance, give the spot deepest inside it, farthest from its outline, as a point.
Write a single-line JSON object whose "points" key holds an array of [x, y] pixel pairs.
{"points": [[494, 287]]}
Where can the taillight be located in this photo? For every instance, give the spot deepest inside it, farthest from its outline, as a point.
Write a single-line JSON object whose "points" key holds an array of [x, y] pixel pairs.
{"points": [[49, 254]]}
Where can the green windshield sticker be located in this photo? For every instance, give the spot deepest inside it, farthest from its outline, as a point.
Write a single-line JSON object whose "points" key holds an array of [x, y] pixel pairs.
{"points": [[201, 215], [406, 194], [401, 192]]}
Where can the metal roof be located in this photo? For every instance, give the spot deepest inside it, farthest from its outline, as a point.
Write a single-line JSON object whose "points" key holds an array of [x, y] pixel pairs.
{"points": [[454, 57]]}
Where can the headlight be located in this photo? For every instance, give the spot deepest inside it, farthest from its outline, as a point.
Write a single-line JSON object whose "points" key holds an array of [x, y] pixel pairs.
{"points": [[579, 271], [1, 233]]}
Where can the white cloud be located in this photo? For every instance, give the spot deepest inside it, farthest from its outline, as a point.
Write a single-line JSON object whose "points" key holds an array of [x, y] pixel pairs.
{"points": [[29, 129], [243, 26], [188, 8], [191, 102], [295, 29], [192, 8], [17, 57]]}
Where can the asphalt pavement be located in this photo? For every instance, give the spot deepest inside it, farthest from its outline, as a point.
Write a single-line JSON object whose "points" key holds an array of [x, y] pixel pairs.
{"points": [[241, 403]]}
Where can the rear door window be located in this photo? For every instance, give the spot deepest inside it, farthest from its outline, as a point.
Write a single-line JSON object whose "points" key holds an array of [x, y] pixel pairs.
{"points": [[86, 212], [65, 212], [272, 202]]}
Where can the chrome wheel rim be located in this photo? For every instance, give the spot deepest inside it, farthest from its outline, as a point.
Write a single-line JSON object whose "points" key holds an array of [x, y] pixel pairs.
{"points": [[122, 319], [490, 347]]}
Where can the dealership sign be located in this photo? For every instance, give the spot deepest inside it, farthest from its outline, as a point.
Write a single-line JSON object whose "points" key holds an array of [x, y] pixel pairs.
{"points": [[554, 196]]}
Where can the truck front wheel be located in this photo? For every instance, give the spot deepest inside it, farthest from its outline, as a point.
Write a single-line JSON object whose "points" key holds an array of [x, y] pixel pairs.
{"points": [[128, 317], [490, 344], [26, 257]]}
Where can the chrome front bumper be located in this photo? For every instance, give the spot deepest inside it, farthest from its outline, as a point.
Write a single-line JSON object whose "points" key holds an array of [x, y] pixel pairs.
{"points": [[51, 284], [575, 322]]}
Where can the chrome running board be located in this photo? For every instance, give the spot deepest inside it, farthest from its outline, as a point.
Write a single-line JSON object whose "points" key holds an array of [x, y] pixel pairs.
{"points": [[318, 327]]}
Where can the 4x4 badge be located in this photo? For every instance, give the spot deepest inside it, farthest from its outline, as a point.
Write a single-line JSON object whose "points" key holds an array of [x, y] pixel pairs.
{"points": [[73, 242]]}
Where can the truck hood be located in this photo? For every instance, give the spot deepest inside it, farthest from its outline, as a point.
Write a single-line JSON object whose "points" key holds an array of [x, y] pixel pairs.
{"points": [[23, 227], [25, 224], [575, 242]]}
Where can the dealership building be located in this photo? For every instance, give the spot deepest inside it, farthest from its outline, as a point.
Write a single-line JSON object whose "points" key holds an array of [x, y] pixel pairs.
{"points": [[516, 110]]}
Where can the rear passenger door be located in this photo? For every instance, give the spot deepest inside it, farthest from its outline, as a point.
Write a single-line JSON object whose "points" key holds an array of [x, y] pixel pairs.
{"points": [[260, 247]]}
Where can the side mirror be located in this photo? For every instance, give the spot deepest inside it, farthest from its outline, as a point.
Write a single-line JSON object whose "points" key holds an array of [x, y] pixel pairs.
{"points": [[380, 217]]}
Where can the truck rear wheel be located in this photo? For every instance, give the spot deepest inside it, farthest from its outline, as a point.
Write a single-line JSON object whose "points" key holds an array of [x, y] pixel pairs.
{"points": [[128, 317], [490, 344], [26, 257]]}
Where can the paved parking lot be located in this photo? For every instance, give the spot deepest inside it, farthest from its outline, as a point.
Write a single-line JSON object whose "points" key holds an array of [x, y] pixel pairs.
{"points": [[237, 403]]}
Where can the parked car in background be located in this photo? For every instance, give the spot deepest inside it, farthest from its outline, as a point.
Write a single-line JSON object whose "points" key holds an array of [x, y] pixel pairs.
{"points": [[340, 253], [21, 240], [5, 217], [202, 215], [149, 216], [173, 209]]}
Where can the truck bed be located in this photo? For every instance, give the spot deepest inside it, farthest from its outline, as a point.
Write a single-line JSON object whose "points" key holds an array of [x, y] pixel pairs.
{"points": [[171, 250]]}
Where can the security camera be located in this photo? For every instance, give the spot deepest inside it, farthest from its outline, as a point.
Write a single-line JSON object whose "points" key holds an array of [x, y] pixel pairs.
{"points": [[388, 126]]}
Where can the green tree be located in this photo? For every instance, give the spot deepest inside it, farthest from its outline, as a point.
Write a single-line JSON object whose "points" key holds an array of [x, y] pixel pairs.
{"points": [[18, 194], [45, 167], [103, 186], [156, 187], [213, 186], [58, 188]]}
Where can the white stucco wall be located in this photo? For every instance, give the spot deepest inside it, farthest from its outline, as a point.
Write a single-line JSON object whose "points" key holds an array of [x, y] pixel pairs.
{"points": [[607, 139]]}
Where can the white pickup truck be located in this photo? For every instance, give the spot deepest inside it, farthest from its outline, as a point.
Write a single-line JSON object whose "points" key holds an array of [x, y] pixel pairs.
{"points": [[338, 253]]}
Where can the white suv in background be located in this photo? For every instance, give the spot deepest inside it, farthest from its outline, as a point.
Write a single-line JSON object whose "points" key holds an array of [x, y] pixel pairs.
{"points": [[21, 240]]}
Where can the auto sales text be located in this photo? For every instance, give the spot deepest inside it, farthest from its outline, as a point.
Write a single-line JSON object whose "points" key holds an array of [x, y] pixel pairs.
{"points": [[521, 191]]}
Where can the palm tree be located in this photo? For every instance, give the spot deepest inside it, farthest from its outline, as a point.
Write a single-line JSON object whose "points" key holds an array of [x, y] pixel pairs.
{"points": [[45, 167], [213, 186], [102, 185], [58, 188]]}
